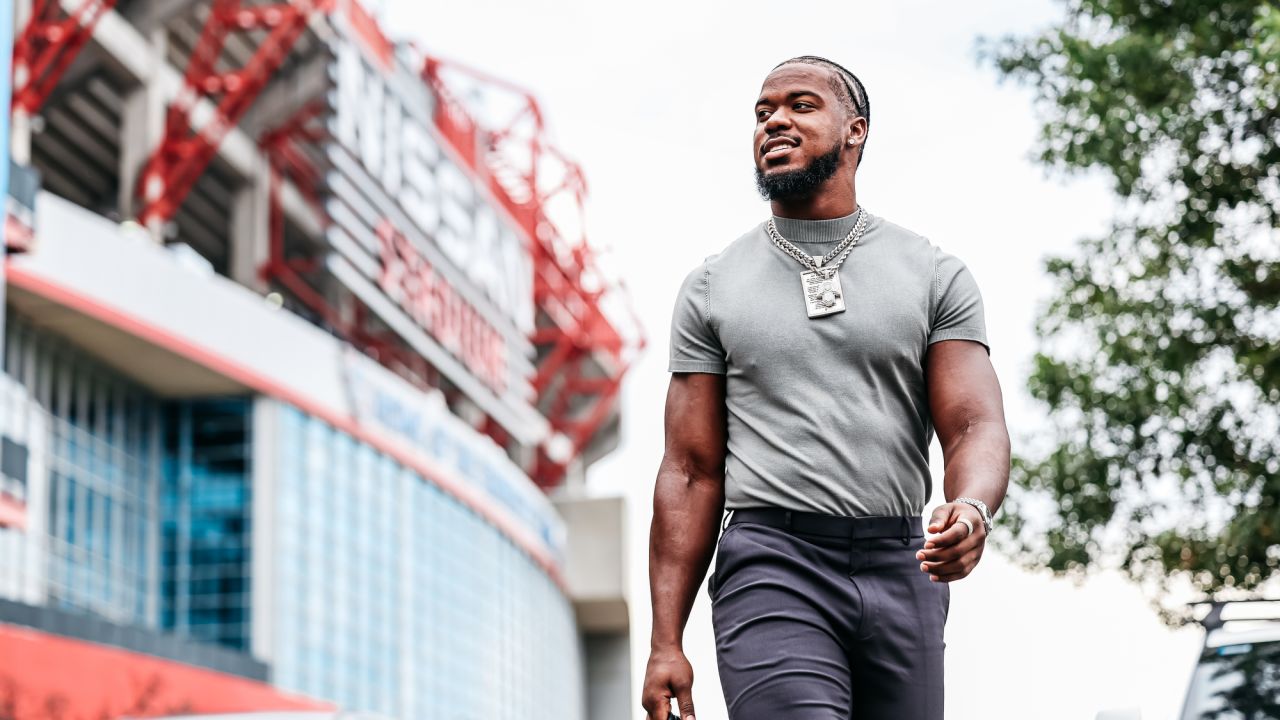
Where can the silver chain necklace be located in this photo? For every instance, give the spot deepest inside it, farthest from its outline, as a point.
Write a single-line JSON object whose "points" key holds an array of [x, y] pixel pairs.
{"points": [[820, 284]]}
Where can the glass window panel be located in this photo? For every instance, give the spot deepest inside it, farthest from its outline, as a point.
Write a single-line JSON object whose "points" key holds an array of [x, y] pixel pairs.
{"points": [[391, 581]]}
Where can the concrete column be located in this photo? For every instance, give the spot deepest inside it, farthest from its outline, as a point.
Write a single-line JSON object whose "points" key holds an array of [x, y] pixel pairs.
{"points": [[575, 475], [251, 227], [608, 670], [154, 550], [264, 439], [20, 137], [142, 127]]}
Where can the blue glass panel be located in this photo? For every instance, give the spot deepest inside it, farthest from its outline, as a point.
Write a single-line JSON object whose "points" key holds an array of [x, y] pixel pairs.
{"points": [[393, 582], [206, 529], [72, 511]]}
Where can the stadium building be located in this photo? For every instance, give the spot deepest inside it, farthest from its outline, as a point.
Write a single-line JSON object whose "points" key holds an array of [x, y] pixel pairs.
{"points": [[304, 362]]}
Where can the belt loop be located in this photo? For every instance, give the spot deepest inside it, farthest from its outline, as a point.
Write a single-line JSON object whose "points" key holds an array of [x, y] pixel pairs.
{"points": [[906, 530], [787, 520]]}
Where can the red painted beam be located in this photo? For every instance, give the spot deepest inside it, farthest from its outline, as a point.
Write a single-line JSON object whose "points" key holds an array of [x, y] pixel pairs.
{"points": [[185, 151], [47, 46], [514, 150]]}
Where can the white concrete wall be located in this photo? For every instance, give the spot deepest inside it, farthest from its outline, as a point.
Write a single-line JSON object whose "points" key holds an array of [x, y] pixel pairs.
{"points": [[595, 563], [22, 550]]}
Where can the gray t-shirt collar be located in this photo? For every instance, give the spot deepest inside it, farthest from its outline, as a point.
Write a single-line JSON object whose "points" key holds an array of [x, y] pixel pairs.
{"points": [[822, 232]]}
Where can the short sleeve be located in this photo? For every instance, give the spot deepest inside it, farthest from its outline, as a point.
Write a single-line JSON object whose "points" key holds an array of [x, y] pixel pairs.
{"points": [[695, 347], [957, 303]]}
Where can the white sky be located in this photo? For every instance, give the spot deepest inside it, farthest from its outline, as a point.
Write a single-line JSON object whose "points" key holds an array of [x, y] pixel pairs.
{"points": [[655, 99]]}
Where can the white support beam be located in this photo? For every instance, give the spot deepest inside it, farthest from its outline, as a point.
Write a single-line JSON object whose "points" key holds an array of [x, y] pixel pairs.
{"points": [[141, 126]]}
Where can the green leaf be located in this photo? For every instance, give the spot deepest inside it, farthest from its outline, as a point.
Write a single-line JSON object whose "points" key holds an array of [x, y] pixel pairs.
{"points": [[1160, 348]]}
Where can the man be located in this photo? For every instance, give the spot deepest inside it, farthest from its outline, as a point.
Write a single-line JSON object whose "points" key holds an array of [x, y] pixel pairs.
{"points": [[805, 392]]}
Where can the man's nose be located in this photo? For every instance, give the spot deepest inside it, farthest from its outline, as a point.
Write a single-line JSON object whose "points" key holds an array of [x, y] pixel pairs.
{"points": [[778, 119]]}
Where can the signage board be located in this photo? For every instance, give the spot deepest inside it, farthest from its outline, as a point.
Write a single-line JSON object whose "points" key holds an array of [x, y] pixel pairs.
{"points": [[422, 422], [418, 227]]}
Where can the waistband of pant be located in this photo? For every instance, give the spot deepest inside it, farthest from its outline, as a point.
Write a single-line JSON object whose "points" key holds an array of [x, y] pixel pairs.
{"points": [[836, 526]]}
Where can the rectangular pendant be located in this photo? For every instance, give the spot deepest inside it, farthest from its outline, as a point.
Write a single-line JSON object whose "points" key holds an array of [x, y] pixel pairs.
{"points": [[822, 293]]}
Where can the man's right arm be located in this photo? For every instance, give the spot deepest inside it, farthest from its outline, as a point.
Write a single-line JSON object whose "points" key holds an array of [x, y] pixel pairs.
{"points": [[688, 502]]}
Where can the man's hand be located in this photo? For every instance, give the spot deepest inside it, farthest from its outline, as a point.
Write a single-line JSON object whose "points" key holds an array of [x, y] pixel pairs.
{"points": [[968, 413], [953, 551], [668, 675], [688, 503]]}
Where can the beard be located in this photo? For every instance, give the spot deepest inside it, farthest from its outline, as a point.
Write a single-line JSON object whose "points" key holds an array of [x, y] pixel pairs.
{"points": [[800, 183]]}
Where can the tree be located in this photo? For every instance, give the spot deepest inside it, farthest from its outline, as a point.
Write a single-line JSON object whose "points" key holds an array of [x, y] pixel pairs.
{"points": [[1159, 357]]}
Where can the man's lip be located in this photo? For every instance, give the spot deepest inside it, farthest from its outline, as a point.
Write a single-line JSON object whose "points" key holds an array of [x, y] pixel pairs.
{"points": [[775, 142]]}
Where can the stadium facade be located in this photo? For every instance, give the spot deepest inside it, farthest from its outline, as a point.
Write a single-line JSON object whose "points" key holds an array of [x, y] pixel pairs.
{"points": [[301, 379]]}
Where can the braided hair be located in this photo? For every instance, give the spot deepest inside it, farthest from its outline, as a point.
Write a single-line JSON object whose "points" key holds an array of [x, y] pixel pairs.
{"points": [[848, 89]]}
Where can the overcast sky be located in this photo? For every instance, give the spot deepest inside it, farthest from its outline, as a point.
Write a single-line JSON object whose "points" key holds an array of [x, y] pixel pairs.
{"points": [[655, 100]]}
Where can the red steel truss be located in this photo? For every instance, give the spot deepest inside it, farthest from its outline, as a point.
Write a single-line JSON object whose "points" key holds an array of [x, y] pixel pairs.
{"points": [[185, 150], [582, 355], [46, 47]]}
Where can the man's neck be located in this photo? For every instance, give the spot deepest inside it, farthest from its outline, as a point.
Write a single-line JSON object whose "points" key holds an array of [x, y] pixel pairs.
{"points": [[822, 205]]}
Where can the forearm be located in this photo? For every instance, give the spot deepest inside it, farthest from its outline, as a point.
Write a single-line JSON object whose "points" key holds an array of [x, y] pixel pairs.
{"points": [[977, 463], [687, 507]]}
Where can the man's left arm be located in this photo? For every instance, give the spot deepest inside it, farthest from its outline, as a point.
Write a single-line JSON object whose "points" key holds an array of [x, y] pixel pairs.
{"points": [[968, 414]]}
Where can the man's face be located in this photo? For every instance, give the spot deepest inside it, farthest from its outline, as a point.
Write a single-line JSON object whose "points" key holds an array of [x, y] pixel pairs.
{"points": [[801, 128]]}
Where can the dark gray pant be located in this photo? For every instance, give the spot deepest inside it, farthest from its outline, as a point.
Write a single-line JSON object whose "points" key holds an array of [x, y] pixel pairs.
{"points": [[821, 628]]}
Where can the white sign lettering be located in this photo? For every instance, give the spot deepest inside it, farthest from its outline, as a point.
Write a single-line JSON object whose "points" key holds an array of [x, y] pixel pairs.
{"points": [[442, 199]]}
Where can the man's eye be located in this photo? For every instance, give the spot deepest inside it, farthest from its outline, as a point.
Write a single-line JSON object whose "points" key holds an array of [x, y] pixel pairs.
{"points": [[762, 114], [802, 106]]}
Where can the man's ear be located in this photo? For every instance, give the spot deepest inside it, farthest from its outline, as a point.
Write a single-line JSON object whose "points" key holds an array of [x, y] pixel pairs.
{"points": [[857, 131]]}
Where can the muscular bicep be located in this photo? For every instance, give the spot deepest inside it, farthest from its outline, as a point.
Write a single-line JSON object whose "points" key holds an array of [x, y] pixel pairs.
{"points": [[963, 388], [696, 433]]}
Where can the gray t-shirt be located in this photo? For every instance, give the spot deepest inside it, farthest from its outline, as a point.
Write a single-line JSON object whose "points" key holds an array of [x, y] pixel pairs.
{"points": [[827, 414]]}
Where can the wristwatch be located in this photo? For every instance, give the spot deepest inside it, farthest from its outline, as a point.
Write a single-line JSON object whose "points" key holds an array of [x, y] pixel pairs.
{"points": [[982, 510]]}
